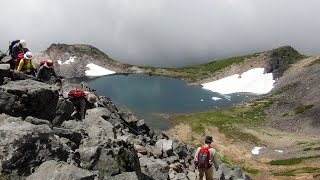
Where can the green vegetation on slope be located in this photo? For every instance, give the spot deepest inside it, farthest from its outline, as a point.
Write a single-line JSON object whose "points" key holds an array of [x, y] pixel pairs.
{"points": [[228, 120], [198, 72], [297, 171], [195, 73], [292, 160]]}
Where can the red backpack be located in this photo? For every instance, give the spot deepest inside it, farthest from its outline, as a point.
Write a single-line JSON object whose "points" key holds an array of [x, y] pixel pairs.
{"points": [[76, 94], [204, 157], [19, 57]]}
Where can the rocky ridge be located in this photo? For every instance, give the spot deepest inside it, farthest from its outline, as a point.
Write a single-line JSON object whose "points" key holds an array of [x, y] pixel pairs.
{"points": [[40, 140]]}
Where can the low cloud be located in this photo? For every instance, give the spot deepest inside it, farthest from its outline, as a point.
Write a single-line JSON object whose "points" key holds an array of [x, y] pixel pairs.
{"points": [[164, 32]]}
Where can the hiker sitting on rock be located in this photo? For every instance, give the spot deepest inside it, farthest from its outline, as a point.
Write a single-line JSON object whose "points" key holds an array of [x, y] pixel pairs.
{"points": [[204, 158], [46, 71], [82, 100], [25, 64]]}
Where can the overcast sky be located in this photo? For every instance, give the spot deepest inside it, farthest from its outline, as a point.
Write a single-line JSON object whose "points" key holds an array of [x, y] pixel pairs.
{"points": [[164, 32]]}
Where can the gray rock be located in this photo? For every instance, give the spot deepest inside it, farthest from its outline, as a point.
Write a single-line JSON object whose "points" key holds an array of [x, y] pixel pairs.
{"points": [[128, 117], [99, 112], [37, 121], [181, 176], [124, 176], [73, 136], [60, 171], [115, 158], [164, 145], [154, 168], [88, 156], [69, 143], [7, 102], [63, 112], [191, 175], [143, 127], [95, 129], [23, 146], [140, 149], [172, 159], [33, 99]]}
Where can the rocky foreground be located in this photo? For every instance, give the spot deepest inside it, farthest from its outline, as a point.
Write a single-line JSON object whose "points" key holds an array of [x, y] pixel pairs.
{"points": [[40, 140]]}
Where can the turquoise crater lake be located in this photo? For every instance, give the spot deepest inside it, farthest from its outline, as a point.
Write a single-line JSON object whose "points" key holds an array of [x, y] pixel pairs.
{"points": [[149, 97]]}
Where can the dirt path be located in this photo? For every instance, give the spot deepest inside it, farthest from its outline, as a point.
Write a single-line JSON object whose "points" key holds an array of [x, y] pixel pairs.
{"points": [[276, 145]]}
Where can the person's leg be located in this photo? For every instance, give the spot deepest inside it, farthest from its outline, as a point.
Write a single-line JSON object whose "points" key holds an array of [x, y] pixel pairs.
{"points": [[209, 174], [201, 174]]}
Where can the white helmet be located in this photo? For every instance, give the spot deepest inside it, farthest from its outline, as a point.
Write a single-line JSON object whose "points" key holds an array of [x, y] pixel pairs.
{"points": [[23, 43]]}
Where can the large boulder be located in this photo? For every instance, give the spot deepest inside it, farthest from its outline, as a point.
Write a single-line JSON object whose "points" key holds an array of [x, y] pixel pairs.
{"points": [[63, 112], [94, 129], [116, 157], [154, 168], [24, 146], [54, 170], [31, 98]]}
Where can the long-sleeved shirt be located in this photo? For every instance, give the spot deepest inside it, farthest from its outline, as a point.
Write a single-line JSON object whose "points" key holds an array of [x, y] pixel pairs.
{"points": [[25, 67], [213, 156], [45, 73]]}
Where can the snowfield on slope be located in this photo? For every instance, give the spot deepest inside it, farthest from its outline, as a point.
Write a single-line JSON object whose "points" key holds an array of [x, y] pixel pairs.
{"points": [[252, 81]]}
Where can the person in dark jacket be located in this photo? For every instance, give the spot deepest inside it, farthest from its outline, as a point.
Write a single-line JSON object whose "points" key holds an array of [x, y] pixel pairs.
{"points": [[46, 71], [19, 47]]}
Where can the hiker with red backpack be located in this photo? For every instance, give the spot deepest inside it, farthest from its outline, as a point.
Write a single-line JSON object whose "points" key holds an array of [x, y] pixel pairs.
{"points": [[25, 64], [82, 100], [45, 71], [204, 158]]}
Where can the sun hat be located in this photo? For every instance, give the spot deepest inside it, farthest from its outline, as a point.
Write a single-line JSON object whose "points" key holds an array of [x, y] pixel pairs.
{"points": [[28, 55], [92, 98], [208, 139], [23, 43], [49, 64]]}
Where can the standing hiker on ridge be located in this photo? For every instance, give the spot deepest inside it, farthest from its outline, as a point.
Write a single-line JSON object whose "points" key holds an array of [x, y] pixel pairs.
{"points": [[204, 158]]}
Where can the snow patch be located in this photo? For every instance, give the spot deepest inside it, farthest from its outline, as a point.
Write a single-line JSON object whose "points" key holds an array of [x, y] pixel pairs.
{"points": [[279, 151], [254, 81], [70, 60], [215, 98], [256, 150], [95, 70]]}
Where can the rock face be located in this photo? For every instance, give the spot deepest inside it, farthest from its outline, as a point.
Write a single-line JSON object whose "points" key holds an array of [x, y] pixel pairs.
{"points": [[71, 60], [29, 98], [24, 146], [59, 171], [46, 143]]}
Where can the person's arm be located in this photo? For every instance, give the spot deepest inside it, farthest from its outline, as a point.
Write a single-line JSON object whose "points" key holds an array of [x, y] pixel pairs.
{"points": [[82, 108], [14, 52], [21, 63], [196, 155], [53, 73], [214, 159], [40, 73]]}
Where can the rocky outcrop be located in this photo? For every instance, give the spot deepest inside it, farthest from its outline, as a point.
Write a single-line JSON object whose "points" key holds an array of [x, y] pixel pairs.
{"points": [[280, 60], [29, 98], [107, 144], [61, 170], [71, 60]]}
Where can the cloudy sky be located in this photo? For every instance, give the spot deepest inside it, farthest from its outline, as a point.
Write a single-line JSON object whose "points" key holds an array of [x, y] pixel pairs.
{"points": [[164, 32]]}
